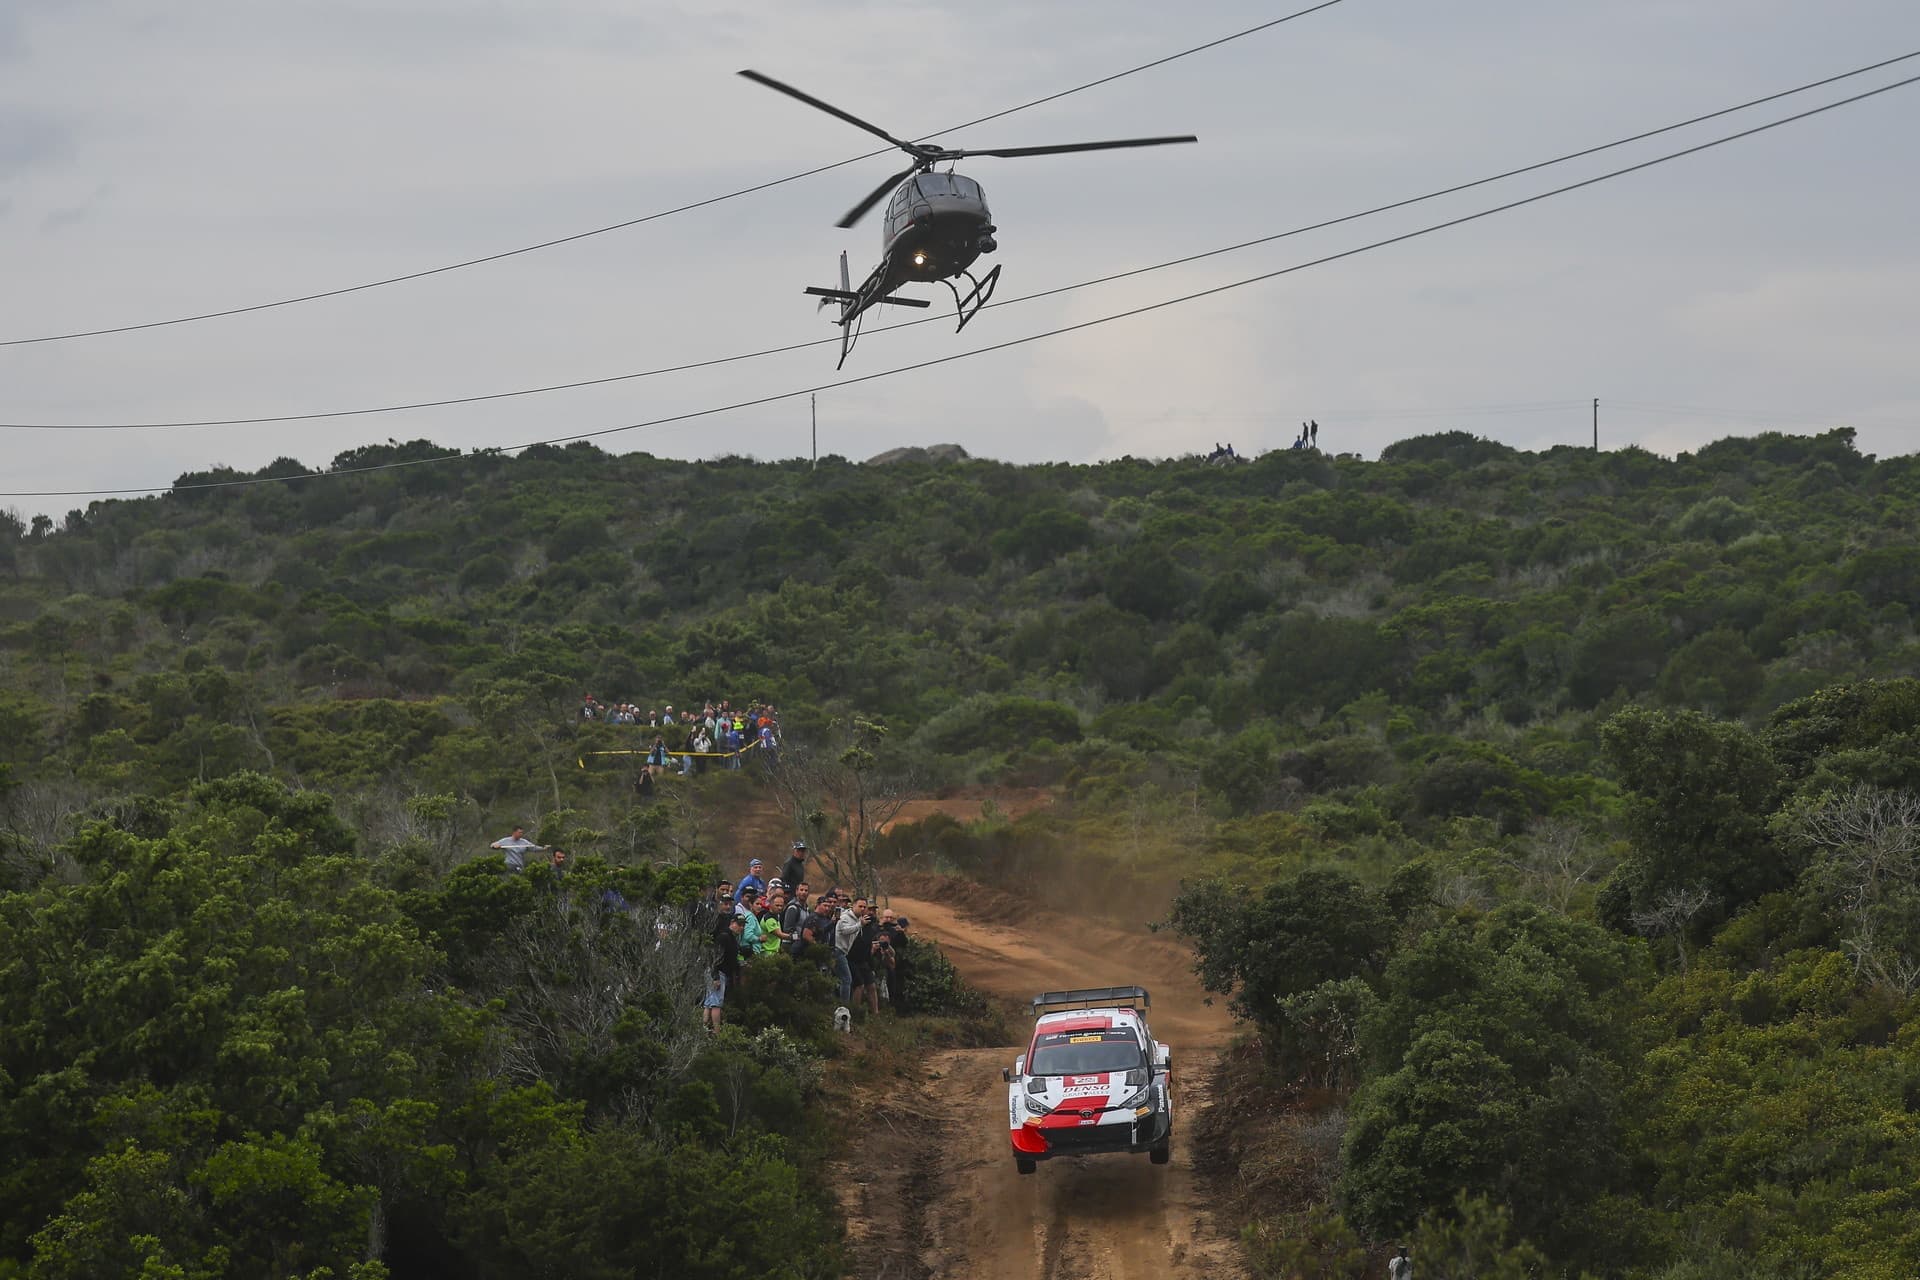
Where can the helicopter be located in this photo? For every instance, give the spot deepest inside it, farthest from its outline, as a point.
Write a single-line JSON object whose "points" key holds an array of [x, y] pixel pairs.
{"points": [[937, 224]]}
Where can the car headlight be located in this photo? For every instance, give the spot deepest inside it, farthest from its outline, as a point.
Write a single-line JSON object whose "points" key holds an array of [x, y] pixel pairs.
{"points": [[1035, 1107], [1139, 1097]]}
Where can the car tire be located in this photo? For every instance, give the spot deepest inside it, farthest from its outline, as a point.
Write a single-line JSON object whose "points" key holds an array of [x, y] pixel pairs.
{"points": [[1161, 1152], [1023, 1165]]}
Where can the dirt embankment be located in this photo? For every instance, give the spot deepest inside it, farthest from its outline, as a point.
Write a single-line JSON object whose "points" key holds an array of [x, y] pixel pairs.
{"points": [[938, 1196]]}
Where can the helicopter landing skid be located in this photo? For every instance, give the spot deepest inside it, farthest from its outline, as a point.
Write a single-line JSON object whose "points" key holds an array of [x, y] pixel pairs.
{"points": [[976, 297]]}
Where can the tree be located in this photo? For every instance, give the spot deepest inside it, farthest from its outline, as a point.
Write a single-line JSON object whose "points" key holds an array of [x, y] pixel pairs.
{"points": [[1497, 1053], [1620, 650], [1699, 794], [1472, 1240], [840, 792], [1296, 958], [1865, 862]]}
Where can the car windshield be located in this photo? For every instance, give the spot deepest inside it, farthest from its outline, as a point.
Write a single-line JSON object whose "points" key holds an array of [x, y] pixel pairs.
{"points": [[1077, 1053]]}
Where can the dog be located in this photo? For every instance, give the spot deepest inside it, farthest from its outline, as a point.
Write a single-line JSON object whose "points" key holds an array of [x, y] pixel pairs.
{"points": [[843, 1019]]}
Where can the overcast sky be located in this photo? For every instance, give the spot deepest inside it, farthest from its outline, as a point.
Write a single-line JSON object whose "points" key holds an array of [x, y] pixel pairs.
{"points": [[158, 160]]}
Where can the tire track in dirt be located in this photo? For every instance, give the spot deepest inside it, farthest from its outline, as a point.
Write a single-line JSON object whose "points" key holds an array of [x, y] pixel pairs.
{"points": [[958, 1208]]}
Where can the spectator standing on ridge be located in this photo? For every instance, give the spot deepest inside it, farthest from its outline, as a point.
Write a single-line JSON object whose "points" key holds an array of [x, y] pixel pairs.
{"points": [[1313, 429], [753, 879], [796, 868], [515, 845]]}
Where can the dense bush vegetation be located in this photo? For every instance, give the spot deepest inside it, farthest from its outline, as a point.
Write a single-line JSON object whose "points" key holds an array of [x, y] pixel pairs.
{"points": [[1712, 1061], [1539, 800]]}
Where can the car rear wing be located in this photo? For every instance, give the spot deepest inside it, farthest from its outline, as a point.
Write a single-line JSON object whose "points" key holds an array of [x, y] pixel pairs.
{"points": [[1093, 998]]}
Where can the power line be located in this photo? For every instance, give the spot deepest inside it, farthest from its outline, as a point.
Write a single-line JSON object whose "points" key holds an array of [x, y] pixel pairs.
{"points": [[664, 213], [1013, 342], [1761, 416], [447, 402]]}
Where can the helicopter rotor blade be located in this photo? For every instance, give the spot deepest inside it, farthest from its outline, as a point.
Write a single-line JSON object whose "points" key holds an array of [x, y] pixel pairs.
{"points": [[829, 108], [859, 211], [1071, 146]]}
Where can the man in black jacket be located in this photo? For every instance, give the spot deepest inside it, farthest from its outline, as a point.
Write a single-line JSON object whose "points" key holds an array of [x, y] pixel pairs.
{"points": [[902, 950], [795, 869], [725, 973]]}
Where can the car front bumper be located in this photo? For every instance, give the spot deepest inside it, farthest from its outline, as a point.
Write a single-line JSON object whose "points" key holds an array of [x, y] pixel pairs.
{"points": [[1032, 1142]]}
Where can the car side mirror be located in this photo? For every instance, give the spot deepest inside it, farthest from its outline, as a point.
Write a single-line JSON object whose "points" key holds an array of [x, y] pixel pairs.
{"points": [[1006, 1074], [1165, 1068]]}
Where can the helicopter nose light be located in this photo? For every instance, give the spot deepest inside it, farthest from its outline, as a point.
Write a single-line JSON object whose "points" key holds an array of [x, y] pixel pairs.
{"points": [[920, 258]]}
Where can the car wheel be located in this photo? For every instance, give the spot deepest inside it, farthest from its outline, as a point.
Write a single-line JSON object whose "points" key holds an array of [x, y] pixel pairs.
{"points": [[1160, 1153], [1024, 1165]]}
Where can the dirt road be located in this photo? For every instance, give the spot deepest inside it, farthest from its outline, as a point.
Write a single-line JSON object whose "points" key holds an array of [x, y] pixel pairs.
{"points": [[960, 1210]]}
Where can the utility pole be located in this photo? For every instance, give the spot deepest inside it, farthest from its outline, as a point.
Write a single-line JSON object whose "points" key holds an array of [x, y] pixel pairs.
{"points": [[1596, 424], [813, 409]]}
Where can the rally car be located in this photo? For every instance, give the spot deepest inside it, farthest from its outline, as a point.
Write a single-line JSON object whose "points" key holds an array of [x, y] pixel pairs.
{"points": [[1093, 1079]]}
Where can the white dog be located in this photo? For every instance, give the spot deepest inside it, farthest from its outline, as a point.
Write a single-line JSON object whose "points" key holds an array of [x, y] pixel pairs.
{"points": [[843, 1019]]}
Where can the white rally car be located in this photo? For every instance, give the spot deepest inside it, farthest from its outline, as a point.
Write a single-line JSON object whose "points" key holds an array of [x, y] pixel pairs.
{"points": [[1093, 1079]]}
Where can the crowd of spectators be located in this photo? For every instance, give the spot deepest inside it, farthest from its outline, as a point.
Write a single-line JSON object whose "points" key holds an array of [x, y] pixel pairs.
{"points": [[867, 951], [751, 721], [682, 737]]}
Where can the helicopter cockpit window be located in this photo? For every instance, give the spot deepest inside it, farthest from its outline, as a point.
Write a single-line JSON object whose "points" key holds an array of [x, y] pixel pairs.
{"points": [[934, 184], [964, 187]]}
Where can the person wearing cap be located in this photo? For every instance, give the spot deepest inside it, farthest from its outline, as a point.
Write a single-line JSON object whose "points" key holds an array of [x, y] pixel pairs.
{"points": [[796, 869], [753, 879]]}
